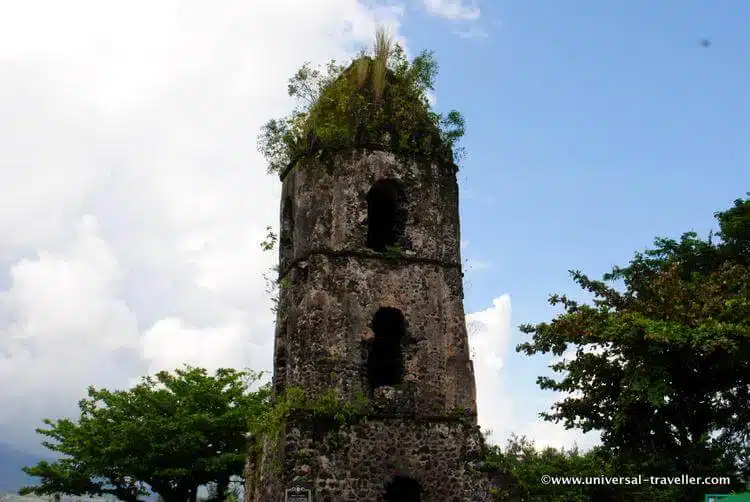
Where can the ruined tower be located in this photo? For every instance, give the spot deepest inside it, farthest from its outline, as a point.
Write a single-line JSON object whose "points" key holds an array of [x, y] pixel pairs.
{"points": [[371, 303]]}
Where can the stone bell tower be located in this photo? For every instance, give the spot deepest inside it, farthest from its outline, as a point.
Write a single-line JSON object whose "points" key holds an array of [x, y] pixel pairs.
{"points": [[371, 302]]}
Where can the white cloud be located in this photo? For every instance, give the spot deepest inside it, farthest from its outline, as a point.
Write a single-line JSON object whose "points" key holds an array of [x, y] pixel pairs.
{"points": [[65, 327], [129, 237], [489, 339], [452, 9], [497, 404]]}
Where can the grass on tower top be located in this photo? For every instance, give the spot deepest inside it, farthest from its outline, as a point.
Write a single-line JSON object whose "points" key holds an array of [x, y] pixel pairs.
{"points": [[379, 99]]}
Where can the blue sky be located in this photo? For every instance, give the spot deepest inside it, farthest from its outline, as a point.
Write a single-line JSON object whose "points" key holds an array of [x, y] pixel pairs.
{"points": [[592, 127]]}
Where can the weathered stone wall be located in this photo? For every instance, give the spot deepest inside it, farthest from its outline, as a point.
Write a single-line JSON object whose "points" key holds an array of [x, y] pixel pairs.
{"points": [[327, 203], [356, 462], [332, 284], [331, 287], [325, 324]]}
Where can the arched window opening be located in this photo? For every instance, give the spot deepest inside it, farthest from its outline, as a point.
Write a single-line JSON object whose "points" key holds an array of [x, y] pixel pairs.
{"points": [[386, 214], [279, 379], [385, 364], [287, 224], [403, 489]]}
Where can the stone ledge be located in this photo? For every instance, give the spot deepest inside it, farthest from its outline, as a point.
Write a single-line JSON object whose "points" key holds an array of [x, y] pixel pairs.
{"points": [[363, 148], [372, 255]]}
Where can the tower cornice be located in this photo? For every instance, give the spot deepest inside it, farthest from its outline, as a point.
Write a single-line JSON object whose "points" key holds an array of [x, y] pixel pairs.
{"points": [[365, 147], [370, 255]]}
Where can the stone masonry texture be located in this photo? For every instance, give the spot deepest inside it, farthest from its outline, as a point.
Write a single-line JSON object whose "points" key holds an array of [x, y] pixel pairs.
{"points": [[332, 286]]}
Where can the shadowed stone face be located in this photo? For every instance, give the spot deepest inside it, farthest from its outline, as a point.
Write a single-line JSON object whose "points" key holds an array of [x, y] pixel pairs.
{"points": [[403, 489], [330, 207], [385, 362], [386, 214]]}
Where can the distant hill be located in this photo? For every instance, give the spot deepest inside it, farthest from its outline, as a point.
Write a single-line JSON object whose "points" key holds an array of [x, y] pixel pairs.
{"points": [[12, 478]]}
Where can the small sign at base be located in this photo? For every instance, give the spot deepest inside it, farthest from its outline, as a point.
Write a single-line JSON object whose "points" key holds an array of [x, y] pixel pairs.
{"points": [[298, 494]]}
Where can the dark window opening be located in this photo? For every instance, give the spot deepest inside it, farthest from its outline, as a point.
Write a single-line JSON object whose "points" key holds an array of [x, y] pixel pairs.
{"points": [[279, 378], [287, 224], [385, 364], [403, 489], [302, 272], [386, 214]]}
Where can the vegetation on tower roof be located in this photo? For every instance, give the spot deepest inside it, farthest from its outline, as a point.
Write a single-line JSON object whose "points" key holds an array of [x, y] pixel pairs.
{"points": [[379, 100]]}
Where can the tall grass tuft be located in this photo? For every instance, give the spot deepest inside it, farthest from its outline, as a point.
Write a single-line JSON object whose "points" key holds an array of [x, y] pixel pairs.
{"points": [[362, 67], [383, 46]]}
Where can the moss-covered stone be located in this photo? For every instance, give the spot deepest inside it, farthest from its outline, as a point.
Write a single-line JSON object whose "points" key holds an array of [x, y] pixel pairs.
{"points": [[378, 102]]}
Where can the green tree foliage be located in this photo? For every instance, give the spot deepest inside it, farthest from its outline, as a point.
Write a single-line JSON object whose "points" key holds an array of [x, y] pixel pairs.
{"points": [[662, 356], [378, 99], [171, 433], [526, 467]]}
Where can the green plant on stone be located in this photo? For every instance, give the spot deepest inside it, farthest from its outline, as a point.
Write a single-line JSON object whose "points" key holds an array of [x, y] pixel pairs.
{"points": [[458, 413], [393, 251], [269, 243], [379, 99], [329, 405], [272, 286]]}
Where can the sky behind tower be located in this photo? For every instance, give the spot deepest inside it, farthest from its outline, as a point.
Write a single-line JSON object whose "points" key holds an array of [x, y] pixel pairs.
{"points": [[133, 200]]}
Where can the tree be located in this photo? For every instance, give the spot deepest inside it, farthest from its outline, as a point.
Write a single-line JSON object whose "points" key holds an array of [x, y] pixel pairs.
{"points": [[527, 466], [171, 433], [662, 362]]}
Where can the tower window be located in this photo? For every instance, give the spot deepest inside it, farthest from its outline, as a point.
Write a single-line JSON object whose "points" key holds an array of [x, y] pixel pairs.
{"points": [[403, 489], [287, 224], [386, 214], [385, 364], [279, 378]]}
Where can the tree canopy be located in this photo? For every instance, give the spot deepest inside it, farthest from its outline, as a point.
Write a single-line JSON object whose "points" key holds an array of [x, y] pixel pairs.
{"points": [[171, 433], [379, 99], [662, 356], [530, 464]]}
